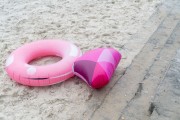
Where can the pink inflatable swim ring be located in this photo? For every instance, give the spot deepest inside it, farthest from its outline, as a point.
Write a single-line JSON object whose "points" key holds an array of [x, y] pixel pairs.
{"points": [[18, 68], [97, 66]]}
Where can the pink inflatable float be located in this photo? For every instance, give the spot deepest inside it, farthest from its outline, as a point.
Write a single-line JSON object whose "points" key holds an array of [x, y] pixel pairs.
{"points": [[96, 67], [18, 68]]}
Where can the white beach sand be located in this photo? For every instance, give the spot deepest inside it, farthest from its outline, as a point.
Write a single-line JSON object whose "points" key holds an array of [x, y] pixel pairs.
{"points": [[87, 23]]}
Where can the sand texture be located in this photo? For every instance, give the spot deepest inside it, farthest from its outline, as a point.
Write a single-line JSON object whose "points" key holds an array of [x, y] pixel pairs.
{"points": [[87, 23]]}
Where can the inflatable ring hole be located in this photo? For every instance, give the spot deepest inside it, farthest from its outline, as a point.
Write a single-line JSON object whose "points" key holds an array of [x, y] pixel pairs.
{"points": [[46, 60]]}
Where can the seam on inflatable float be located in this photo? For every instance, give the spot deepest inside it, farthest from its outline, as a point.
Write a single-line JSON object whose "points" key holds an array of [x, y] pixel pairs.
{"points": [[49, 77], [61, 75]]}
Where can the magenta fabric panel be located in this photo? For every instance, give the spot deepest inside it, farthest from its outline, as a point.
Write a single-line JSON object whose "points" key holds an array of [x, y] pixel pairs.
{"points": [[100, 77], [106, 56], [85, 68], [108, 68]]}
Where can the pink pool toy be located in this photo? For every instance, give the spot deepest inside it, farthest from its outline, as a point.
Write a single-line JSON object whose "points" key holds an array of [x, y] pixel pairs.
{"points": [[19, 70], [96, 67]]}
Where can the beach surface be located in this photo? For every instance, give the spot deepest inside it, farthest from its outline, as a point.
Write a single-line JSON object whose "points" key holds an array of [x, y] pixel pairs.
{"points": [[87, 23]]}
